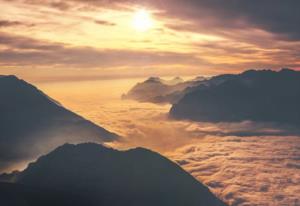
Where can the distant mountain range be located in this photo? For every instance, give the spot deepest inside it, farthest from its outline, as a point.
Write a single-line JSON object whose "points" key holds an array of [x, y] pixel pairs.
{"points": [[254, 95], [31, 123], [260, 96], [95, 175], [157, 90]]}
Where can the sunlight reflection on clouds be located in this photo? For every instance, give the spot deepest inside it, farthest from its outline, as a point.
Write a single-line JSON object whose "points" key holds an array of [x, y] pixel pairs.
{"points": [[261, 168]]}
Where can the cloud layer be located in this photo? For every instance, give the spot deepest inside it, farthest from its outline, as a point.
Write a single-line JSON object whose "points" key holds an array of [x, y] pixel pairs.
{"points": [[21, 51], [244, 163], [246, 171], [278, 17]]}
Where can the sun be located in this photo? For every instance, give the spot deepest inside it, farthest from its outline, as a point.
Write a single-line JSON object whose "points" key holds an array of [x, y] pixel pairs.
{"points": [[142, 20]]}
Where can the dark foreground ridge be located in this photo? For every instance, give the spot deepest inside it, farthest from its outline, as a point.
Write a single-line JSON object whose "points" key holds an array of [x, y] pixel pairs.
{"points": [[31, 119], [21, 195], [104, 176], [261, 96]]}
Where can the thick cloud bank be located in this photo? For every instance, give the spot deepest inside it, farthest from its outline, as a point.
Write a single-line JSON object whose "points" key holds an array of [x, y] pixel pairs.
{"points": [[261, 96], [246, 171]]}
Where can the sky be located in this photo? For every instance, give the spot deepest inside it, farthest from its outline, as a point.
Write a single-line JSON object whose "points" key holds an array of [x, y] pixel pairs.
{"points": [[49, 42], [54, 40]]}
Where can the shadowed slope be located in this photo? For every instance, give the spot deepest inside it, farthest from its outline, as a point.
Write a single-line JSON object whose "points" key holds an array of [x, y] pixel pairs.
{"points": [[21, 195], [262, 96], [109, 177], [29, 118]]}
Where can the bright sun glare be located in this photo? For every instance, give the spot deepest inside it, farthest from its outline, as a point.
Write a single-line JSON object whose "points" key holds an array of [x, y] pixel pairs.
{"points": [[142, 20]]}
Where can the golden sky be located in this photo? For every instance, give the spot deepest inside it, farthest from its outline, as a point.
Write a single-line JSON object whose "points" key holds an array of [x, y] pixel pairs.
{"points": [[94, 39]]}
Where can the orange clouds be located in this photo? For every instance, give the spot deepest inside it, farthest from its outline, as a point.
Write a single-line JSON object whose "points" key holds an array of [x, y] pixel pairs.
{"points": [[260, 168], [188, 38]]}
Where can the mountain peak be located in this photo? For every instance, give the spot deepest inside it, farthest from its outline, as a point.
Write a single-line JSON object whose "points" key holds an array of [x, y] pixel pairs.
{"points": [[254, 71], [87, 147], [9, 76], [174, 81], [153, 79], [177, 80], [106, 176], [287, 70], [11, 79], [30, 117], [255, 95]]}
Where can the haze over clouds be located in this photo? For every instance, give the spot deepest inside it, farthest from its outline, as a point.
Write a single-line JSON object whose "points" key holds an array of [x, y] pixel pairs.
{"points": [[32, 123], [244, 163]]}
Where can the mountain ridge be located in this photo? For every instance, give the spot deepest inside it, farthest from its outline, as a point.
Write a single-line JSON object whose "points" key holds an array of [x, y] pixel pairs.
{"points": [[254, 95], [160, 91], [30, 118], [105, 175]]}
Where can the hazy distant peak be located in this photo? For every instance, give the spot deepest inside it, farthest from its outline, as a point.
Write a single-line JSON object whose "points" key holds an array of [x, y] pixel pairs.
{"points": [[260, 71], [254, 71], [283, 73], [287, 70], [157, 90], [199, 78], [255, 95], [177, 80], [174, 81], [153, 80]]}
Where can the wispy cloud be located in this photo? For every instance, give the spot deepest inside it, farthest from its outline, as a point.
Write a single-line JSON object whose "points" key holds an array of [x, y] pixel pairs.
{"points": [[105, 23], [201, 36], [8, 23], [26, 51], [245, 163]]}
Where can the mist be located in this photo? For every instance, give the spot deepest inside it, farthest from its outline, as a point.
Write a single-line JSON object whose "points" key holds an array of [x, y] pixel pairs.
{"points": [[222, 155]]}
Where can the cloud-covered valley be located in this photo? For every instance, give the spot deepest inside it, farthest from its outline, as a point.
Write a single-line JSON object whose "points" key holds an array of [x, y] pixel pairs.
{"points": [[243, 163], [246, 171], [238, 133]]}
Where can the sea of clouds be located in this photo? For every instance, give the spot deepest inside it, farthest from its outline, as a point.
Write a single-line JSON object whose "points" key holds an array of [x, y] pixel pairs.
{"points": [[243, 163]]}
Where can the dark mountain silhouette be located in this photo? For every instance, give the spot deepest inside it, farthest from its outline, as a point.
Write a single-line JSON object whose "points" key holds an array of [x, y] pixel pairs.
{"points": [[9, 177], [262, 96], [21, 195], [104, 176], [31, 119], [157, 90]]}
